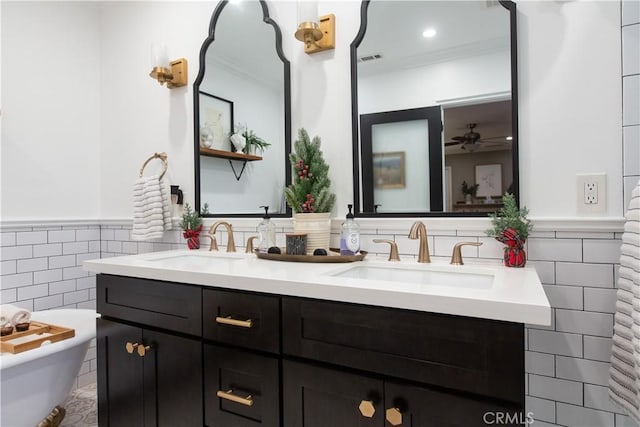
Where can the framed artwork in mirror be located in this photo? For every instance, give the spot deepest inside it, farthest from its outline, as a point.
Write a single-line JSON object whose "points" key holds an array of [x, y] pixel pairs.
{"points": [[388, 170], [216, 121], [489, 180]]}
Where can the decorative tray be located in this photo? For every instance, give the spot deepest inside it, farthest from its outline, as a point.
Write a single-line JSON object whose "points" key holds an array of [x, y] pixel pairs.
{"points": [[332, 256], [37, 333]]}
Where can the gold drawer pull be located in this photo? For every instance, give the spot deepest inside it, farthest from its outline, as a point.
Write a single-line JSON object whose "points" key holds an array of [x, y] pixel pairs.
{"points": [[234, 322], [228, 395]]}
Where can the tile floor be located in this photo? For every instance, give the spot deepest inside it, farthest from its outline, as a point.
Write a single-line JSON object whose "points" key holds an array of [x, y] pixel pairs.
{"points": [[82, 408]]}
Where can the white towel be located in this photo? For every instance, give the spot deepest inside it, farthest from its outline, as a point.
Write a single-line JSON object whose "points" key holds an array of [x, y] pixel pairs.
{"points": [[151, 208], [624, 378], [10, 314]]}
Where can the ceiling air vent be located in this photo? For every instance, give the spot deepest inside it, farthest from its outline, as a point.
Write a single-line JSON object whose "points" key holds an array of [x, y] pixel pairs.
{"points": [[370, 58]]}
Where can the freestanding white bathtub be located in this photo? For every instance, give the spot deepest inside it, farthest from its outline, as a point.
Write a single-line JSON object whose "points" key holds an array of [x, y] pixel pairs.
{"points": [[34, 382]]}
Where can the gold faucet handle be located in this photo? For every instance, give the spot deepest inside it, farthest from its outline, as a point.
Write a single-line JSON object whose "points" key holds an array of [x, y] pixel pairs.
{"points": [[456, 255], [250, 240], [393, 250]]}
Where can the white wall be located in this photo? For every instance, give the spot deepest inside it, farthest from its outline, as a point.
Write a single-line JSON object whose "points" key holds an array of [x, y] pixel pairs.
{"points": [[51, 110], [570, 103], [431, 84]]}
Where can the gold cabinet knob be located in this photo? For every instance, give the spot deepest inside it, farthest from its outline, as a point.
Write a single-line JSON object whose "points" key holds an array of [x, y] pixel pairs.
{"points": [[130, 347], [143, 349], [394, 416], [366, 408]]}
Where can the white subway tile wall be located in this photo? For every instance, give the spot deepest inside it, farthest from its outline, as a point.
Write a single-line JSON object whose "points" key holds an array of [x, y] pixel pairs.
{"points": [[630, 95]]}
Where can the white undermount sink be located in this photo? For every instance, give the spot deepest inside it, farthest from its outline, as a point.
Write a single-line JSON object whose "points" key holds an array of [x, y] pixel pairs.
{"points": [[423, 276]]}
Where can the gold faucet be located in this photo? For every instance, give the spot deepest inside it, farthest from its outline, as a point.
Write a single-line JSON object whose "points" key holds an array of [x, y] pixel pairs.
{"points": [[418, 229], [231, 246]]}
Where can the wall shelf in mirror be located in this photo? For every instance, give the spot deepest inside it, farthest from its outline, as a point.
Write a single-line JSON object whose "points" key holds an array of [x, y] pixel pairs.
{"points": [[231, 155]]}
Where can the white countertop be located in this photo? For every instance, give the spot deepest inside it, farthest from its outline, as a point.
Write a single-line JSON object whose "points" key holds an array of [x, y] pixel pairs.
{"points": [[515, 295]]}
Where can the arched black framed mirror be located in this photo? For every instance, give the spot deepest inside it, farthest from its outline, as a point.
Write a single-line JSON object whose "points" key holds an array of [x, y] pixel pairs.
{"points": [[455, 62], [243, 87]]}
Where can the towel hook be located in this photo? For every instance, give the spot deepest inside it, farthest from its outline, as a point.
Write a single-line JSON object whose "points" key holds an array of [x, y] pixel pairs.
{"points": [[162, 156]]}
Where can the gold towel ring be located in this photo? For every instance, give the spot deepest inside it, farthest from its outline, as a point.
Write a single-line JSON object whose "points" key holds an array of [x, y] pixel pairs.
{"points": [[162, 156]]}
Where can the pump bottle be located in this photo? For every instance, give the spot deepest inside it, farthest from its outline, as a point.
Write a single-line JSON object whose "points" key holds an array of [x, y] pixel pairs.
{"points": [[350, 235], [266, 232]]}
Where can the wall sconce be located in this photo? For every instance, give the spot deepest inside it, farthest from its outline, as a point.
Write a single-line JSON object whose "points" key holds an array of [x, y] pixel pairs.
{"points": [[175, 75], [317, 36]]}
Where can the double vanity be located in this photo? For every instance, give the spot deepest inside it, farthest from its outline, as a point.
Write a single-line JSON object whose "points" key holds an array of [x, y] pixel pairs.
{"points": [[227, 339]]}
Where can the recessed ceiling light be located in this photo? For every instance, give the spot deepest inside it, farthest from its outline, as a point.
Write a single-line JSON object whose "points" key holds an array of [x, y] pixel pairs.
{"points": [[509, 138], [429, 32]]}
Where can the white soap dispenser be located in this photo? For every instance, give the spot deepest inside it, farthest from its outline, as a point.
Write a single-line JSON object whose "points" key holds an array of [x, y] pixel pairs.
{"points": [[266, 232], [350, 235]]}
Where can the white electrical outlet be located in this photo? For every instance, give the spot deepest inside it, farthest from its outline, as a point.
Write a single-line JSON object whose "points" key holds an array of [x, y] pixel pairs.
{"points": [[591, 194]]}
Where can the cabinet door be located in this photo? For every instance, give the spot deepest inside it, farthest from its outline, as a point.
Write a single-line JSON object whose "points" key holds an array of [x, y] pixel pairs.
{"points": [[412, 406], [120, 376], [320, 397], [241, 388], [172, 380]]}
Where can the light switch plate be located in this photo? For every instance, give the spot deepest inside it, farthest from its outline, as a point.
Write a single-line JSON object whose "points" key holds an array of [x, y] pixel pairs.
{"points": [[591, 194]]}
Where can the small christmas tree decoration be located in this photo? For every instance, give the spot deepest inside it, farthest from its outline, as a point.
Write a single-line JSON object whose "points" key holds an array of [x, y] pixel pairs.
{"points": [[310, 191], [511, 227], [192, 225]]}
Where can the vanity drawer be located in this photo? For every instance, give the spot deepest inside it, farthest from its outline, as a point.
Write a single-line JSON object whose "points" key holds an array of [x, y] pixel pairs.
{"points": [[241, 388], [172, 306], [242, 319], [460, 353]]}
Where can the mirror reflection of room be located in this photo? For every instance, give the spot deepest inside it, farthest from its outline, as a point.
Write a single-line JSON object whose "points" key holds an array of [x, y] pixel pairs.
{"points": [[241, 117], [454, 56]]}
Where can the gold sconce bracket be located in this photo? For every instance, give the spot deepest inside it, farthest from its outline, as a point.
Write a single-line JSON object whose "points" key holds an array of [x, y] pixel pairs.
{"points": [[176, 76], [316, 37]]}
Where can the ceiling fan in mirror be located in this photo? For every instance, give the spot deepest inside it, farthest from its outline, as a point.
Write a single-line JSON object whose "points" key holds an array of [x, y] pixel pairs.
{"points": [[472, 140]]}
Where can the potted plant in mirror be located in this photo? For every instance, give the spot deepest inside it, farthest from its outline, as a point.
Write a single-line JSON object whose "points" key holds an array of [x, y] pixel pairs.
{"points": [[309, 196], [469, 192], [246, 141], [192, 225], [511, 227]]}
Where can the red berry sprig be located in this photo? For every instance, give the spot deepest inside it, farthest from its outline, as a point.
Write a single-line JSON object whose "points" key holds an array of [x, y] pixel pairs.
{"points": [[308, 205], [303, 170]]}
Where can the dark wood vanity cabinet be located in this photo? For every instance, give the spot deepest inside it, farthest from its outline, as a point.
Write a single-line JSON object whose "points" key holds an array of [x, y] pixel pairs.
{"points": [[151, 388], [416, 369], [225, 358], [241, 388], [148, 376], [316, 396]]}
